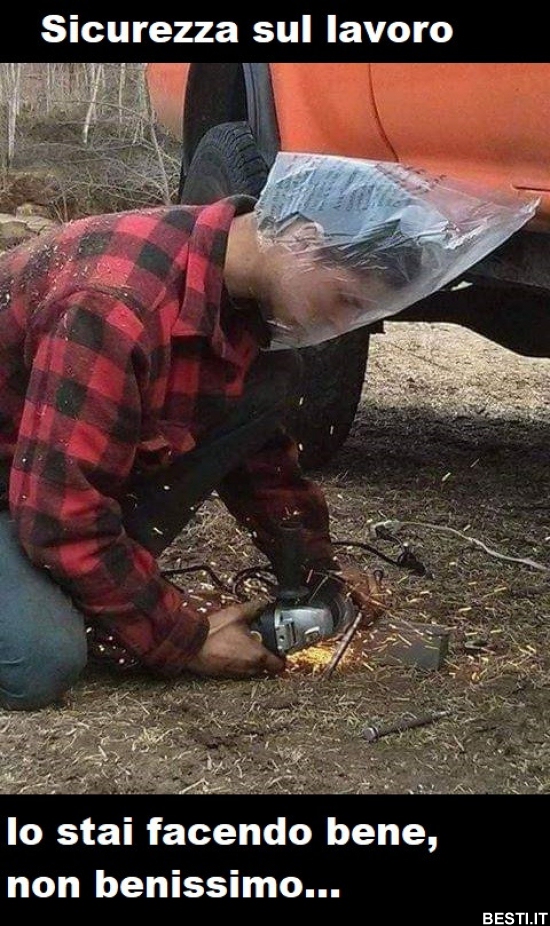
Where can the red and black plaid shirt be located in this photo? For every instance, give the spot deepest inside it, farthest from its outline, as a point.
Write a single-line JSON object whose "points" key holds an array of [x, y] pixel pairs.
{"points": [[115, 331]]}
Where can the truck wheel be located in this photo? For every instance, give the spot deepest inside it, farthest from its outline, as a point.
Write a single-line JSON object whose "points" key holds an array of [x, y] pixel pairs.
{"points": [[227, 161], [334, 373]]}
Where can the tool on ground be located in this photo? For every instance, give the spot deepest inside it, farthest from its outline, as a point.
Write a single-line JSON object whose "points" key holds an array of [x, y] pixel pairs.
{"points": [[372, 733]]}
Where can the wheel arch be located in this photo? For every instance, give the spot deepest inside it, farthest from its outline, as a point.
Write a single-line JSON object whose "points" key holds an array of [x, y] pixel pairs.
{"points": [[218, 93]]}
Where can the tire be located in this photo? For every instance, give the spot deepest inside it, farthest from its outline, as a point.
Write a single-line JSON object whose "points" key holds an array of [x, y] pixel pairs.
{"points": [[227, 161], [334, 373]]}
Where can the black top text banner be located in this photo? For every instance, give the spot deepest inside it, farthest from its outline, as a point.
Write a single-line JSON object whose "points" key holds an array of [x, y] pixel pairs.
{"points": [[276, 32]]}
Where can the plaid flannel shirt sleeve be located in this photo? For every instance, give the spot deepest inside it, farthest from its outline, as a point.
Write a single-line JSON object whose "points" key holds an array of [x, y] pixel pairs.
{"points": [[270, 488], [77, 443]]}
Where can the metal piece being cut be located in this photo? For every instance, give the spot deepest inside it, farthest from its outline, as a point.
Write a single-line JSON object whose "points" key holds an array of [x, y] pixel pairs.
{"points": [[394, 641]]}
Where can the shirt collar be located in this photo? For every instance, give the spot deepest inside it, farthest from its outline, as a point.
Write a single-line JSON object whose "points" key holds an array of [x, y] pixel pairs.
{"points": [[204, 291]]}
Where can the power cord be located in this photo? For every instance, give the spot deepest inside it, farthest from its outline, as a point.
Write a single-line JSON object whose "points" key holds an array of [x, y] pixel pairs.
{"points": [[390, 528], [406, 559]]}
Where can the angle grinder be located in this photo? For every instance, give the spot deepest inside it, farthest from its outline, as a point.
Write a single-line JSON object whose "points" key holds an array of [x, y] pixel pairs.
{"points": [[302, 614]]}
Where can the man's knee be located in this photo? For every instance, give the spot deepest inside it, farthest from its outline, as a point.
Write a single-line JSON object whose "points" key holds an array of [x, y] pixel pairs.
{"points": [[36, 672], [42, 635]]}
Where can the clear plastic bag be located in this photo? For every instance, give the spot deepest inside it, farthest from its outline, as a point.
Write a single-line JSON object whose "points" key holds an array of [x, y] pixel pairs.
{"points": [[390, 234]]}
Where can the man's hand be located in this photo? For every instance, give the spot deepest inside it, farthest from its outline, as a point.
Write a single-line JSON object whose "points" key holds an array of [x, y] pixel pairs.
{"points": [[366, 591], [231, 650]]}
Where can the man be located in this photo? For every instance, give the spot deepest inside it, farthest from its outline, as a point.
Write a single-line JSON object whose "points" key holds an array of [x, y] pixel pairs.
{"points": [[136, 376]]}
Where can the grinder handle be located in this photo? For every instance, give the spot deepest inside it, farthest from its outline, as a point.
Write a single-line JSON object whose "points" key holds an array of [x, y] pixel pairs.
{"points": [[289, 567]]}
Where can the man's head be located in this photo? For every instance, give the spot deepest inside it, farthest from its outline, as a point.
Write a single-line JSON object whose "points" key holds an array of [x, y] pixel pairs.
{"points": [[337, 243], [308, 295]]}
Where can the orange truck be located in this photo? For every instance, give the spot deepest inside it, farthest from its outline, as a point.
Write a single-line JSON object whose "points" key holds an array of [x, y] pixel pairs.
{"points": [[481, 122]]}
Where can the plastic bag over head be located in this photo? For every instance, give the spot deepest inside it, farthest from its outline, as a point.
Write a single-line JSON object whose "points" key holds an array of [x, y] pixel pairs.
{"points": [[361, 240]]}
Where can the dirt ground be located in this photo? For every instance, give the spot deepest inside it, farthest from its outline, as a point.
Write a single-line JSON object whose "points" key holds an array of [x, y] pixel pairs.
{"points": [[452, 431]]}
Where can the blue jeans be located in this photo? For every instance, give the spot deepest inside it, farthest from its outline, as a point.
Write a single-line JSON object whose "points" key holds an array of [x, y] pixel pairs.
{"points": [[42, 635]]}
